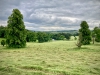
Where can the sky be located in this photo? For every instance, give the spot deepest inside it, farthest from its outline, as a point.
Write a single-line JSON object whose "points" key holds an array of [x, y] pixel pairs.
{"points": [[53, 15]]}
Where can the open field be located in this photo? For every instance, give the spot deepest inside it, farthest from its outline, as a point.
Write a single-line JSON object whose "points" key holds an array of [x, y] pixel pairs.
{"points": [[51, 58]]}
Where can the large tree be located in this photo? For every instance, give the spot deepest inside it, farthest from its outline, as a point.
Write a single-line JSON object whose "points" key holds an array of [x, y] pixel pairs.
{"points": [[16, 33], [86, 33]]}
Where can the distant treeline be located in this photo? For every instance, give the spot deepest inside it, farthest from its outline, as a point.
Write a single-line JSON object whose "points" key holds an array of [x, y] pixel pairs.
{"points": [[43, 36]]}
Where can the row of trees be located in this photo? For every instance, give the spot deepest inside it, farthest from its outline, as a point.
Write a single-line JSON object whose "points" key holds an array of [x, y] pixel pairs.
{"points": [[45, 36], [32, 36], [38, 36]]}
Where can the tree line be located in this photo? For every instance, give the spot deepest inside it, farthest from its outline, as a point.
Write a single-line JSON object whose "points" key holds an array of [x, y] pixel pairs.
{"points": [[33, 36]]}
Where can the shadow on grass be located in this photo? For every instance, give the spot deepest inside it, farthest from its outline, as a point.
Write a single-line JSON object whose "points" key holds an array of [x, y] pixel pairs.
{"points": [[76, 48], [97, 44], [46, 70], [8, 48], [32, 68], [79, 49]]}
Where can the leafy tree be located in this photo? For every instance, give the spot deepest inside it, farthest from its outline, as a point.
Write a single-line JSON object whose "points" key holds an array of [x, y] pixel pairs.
{"points": [[16, 33], [86, 33], [43, 37], [67, 36], [61, 36], [31, 36], [97, 34], [3, 42]]}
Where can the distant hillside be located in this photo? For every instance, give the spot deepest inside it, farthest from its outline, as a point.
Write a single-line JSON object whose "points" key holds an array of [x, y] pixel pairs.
{"points": [[63, 31]]}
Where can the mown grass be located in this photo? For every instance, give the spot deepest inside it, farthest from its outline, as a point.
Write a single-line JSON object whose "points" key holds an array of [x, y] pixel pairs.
{"points": [[51, 58]]}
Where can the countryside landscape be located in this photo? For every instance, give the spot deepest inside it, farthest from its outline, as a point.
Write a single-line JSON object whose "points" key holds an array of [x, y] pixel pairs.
{"points": [[50, 43]]}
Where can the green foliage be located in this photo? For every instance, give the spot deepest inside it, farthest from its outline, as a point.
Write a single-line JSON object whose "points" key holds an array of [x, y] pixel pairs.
{"points": [[93, 36], [43, 37], [16, 33], [31, 36], [75, 38], [97, 34], [61, 36], [67, 35], [56, 36], [3, 42], [2, 31], [79, 43], [86, 33]]}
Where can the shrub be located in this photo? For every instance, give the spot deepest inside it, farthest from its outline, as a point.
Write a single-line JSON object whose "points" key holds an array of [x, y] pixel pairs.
{"points": [[79, 43]]}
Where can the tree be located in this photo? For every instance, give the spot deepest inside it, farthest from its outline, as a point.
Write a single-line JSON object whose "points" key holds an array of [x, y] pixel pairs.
{"points": [[16, 33], [93, 36], [79, 43], [67, 36], [31, 36], [86, 33], [3, 42], [61, 36], [97, 34], [43, 37]]}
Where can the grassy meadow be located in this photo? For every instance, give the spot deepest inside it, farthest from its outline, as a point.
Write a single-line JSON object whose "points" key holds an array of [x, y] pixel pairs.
{"points": [[51, 58]]}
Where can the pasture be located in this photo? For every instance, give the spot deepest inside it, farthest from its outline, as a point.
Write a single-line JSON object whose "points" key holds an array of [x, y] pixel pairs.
{"points": [[51, 58]]}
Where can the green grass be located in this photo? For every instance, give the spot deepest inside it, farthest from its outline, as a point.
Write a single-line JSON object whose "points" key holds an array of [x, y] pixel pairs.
{"points": [[51, 58]]}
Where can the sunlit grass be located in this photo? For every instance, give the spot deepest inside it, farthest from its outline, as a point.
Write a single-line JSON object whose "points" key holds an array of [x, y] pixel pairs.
{"points": [[51, 58]]}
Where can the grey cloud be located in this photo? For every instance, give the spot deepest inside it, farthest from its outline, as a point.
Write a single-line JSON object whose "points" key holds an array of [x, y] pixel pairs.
{"points": [[42, 14]]}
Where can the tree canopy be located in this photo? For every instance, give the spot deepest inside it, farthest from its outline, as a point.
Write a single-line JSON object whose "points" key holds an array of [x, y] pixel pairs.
{"points": [[16, 33], [97, 34], [86, 33]]}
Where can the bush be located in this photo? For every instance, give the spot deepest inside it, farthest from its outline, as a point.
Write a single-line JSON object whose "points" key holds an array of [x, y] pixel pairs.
{"points": [[79, 43]]}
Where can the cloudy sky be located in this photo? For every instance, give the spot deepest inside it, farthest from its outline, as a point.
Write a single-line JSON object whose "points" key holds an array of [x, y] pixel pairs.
{"points": [[44, 15]]}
